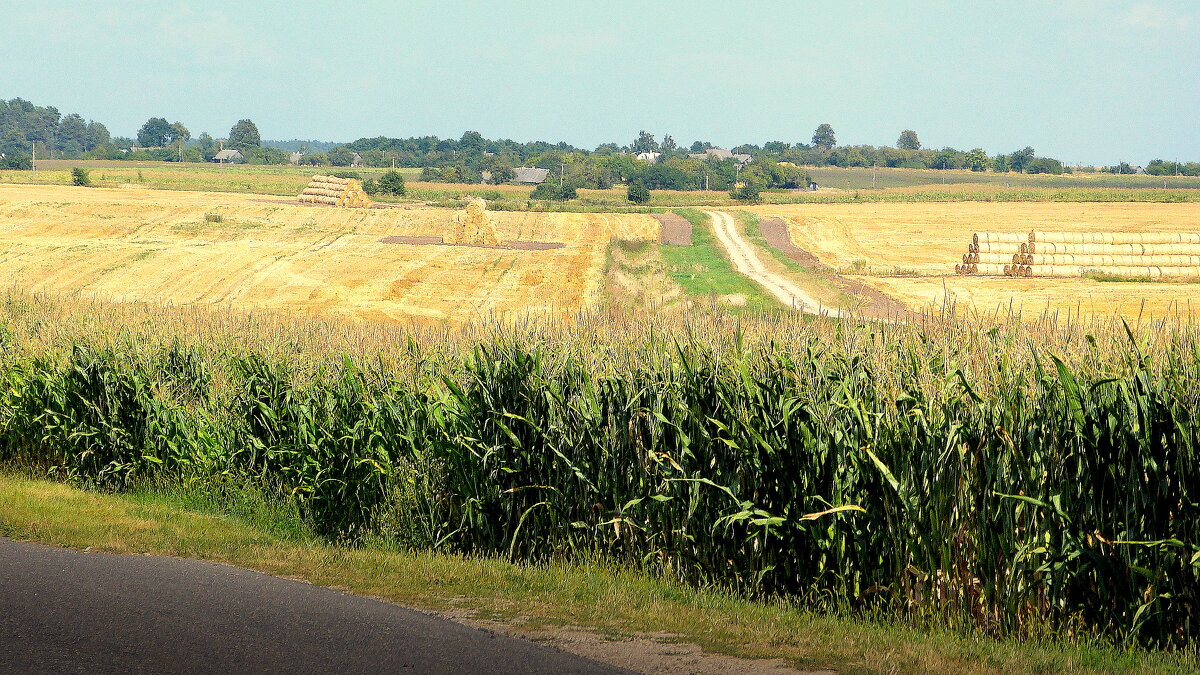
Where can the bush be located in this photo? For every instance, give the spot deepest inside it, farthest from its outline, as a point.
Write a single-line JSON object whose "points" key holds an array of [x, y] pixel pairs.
{"points": [[638, 193], [392, 183], [554, 192], [80, 177], [370, 187], [745, 193], [18, 162]]}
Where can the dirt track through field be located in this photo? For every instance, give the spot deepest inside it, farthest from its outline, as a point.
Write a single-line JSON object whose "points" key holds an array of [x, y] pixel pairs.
{"points": [[746, 261]]}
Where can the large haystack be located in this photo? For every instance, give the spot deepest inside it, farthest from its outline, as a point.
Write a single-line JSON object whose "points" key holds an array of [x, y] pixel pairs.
{"points": [[335, 191], [472, 226], [1073, 254]]}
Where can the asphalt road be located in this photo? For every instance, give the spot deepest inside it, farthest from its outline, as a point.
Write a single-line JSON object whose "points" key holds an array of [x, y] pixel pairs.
{"points": [[63, 611]]}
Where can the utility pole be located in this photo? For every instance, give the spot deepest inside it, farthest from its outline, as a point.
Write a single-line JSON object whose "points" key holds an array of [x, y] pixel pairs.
{"points": [[562, 168], [34, 155]]}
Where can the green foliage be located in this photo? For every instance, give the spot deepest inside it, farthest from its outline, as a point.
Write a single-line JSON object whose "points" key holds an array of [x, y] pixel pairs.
{"points": [[747, 192], [908, 140], [935, 470], [156, 132], [244, 134], [340, 156], [824, 138], [976, 160], [80, 177], [643, 143], [637, 193], [392, 183], [551, 190], [16, 160]]}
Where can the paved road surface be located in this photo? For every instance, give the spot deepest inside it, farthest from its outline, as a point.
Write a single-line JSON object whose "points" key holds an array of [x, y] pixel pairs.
{"points": [[63, 611], [745, 261]]}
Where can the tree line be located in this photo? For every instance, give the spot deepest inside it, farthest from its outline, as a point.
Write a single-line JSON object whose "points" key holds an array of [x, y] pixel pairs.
{"points": [[472, 158]]}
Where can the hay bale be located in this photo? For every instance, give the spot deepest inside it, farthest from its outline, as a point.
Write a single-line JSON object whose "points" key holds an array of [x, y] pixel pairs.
{"points": [[334, 191], [472, 226]]}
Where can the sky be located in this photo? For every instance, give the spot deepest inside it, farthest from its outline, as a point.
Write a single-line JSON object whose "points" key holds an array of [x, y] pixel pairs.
{"points": [[1085, 81]]}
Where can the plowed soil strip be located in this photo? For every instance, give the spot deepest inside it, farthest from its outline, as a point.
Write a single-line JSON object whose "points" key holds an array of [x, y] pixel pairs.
{"points": [[775, 231], [676, 230], [515, 245]]}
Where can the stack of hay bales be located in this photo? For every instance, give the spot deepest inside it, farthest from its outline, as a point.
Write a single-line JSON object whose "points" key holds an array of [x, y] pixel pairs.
{"points": [[472, 226], [1074, 254], [335, 191]]}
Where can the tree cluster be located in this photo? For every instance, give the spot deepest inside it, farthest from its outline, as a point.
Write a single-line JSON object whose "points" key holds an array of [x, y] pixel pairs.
{"points": [[22, 124]]}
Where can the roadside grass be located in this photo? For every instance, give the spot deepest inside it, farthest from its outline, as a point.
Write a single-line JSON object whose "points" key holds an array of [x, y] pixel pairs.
{"points": [[238, 527], [703, 270]]}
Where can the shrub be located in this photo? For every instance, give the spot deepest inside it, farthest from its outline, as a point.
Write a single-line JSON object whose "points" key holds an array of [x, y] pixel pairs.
{"points": [[745, 193], [80, 177], [392, 183], [554, 192], [19, 162], [638, 193]]}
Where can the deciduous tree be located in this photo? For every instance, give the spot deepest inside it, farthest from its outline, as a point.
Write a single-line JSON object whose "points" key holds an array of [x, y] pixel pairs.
{"points": [[244, 135], [824, 137], [908, 140]]}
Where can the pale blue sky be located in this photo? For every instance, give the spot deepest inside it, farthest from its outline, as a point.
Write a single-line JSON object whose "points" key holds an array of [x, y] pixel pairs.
{"points": [[1090, 81]]}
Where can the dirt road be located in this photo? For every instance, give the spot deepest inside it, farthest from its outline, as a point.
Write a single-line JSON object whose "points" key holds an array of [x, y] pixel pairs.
{"points": [[745, 260]]}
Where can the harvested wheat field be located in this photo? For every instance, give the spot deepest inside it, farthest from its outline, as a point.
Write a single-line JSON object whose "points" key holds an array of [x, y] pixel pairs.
{"points": [[146, 245], [909, 250]]}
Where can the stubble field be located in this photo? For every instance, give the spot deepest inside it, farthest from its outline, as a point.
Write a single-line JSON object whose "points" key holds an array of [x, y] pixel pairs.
{"points": [[267, 252], [908, 251]]}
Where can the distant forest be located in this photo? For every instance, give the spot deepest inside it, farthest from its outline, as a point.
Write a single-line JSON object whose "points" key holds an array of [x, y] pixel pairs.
{"points": [[472, 158]]}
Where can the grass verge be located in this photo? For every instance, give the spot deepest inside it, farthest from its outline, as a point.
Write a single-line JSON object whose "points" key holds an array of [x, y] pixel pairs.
{"points": [[237, 526], [703, 270]]}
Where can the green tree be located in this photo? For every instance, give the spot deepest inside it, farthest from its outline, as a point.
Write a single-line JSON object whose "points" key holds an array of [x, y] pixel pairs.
{"points": [[1000, 164], [341, 156], [97, 135], [471, 143], [908, 140], [178, 134], [392, 183], [80, 177], [976, 160], [1019, 159], [638, 193], [824, 137], [645, 143], [668, 145], [206, 145], [154, 133], [244, 135], [72, 131]]}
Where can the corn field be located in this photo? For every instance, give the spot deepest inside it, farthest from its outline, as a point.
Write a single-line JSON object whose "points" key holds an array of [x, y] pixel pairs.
{"points": [[1007, 476]]}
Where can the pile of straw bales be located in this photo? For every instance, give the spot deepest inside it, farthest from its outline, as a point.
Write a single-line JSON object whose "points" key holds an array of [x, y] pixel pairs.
{"points": [[1074, 254], [335, 191], [472, 226]]}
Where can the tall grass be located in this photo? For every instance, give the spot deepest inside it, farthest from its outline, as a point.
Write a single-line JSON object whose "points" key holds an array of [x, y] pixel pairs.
{"points": [[1003, 476]]}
